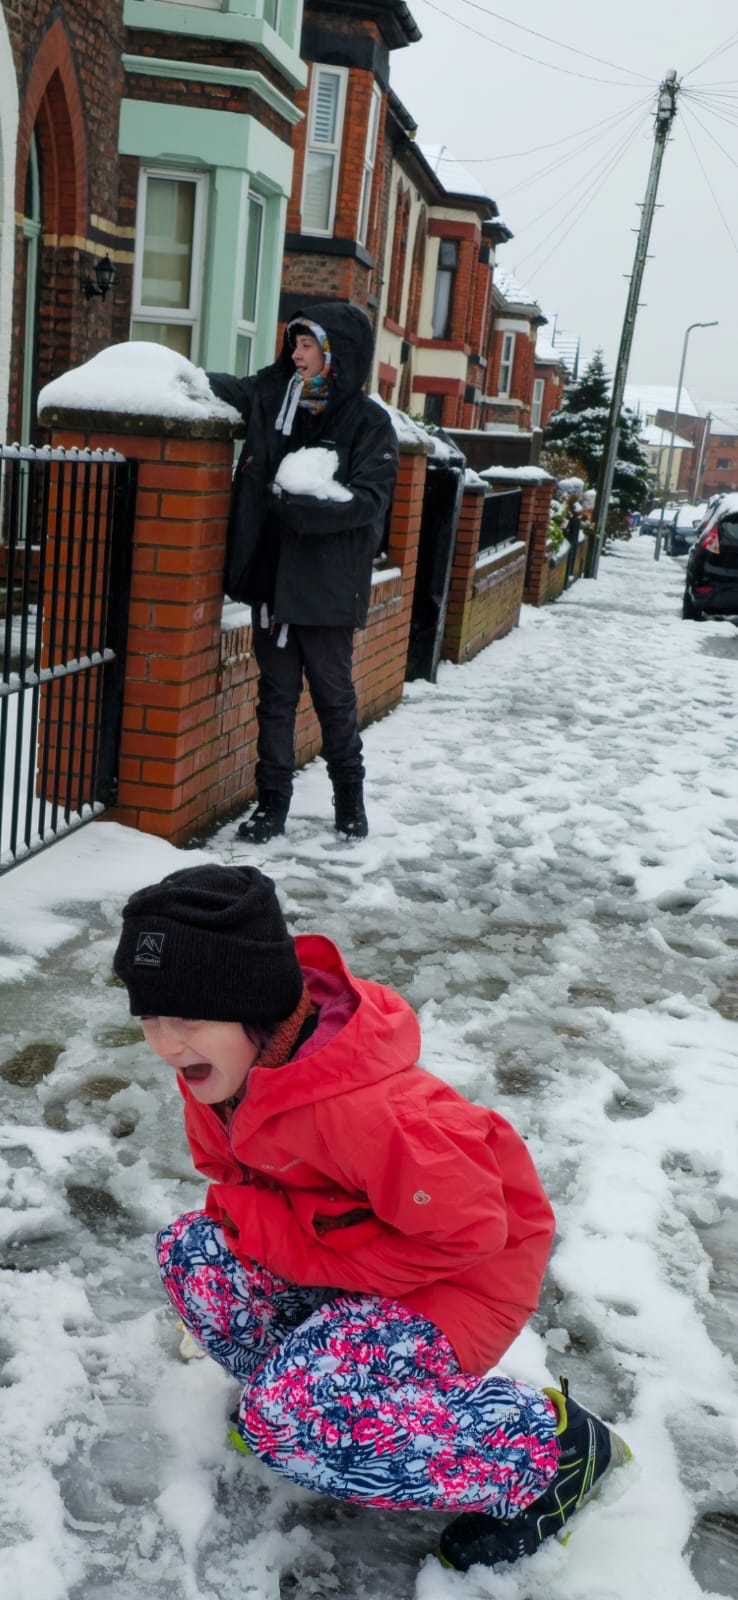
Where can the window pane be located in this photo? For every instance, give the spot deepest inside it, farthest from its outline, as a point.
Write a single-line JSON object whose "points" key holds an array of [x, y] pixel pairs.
{"points": [[167, 260], [251, 271], [243, 355], [325, 108], [442, 304], [316, 211], [174, 335]]}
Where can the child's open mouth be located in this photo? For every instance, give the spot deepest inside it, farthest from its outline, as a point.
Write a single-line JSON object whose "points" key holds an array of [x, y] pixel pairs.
{"points": [[197, 1073]]}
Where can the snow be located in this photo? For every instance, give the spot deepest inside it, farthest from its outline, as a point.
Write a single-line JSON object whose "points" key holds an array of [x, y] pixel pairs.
{"points": [[648, 398], [138, 377], [659, 438], [407, 430], [311, 470], [454, 177], [513, 292], [551, 878], [517, 474]]}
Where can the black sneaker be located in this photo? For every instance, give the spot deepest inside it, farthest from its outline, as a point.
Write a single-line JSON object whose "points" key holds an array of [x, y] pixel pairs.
{"points": [[589, 1450], [348, 802], [267, 820]]}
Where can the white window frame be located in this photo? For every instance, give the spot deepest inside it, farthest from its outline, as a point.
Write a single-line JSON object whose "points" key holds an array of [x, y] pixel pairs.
{"points": [[245, 329], [507, 359], [191, 315], [539, 389], [370, 156], [277, 15], [325, 147]]}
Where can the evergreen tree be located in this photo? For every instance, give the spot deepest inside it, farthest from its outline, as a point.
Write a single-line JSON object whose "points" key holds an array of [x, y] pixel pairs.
{"points": [[578, 430]]}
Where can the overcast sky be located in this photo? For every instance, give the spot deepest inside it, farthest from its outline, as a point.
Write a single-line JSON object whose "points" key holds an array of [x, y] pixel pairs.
{"points": [[573, 242]]}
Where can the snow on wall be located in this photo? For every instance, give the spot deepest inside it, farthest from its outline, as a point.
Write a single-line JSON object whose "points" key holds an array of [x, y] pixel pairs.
{"points": [[147, 379]]}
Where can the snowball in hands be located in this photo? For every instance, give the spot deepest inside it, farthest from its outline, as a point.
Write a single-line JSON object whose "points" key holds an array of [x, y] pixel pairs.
{"points": [[311, 471]]}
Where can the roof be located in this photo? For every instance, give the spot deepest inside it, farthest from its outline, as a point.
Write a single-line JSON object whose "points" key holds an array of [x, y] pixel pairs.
{"points": [[393, 18], [659, 438], [723, 416], [648, 398], [453, 177], [547, 352]]}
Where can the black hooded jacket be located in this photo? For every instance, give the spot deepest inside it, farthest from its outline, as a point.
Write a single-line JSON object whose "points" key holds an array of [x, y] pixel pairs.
{"points": [[310, 560]]}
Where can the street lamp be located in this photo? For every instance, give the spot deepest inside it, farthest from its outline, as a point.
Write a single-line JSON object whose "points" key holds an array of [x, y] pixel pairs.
{"points": [[659, 531]]}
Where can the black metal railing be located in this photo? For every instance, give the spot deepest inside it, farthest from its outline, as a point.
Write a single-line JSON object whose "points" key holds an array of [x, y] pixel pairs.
{"points": [[65, 555], [500, 519]]}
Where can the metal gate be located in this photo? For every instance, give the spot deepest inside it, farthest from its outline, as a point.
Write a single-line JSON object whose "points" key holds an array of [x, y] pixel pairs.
{"points": [[500, 519], [66, 520]]}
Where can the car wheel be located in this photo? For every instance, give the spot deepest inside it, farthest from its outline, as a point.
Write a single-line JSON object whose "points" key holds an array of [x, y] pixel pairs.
{"points": [[690, 611]]}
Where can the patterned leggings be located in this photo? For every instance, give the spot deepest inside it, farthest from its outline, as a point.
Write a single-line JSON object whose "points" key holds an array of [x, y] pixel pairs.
{"points": [[356, 1396]]}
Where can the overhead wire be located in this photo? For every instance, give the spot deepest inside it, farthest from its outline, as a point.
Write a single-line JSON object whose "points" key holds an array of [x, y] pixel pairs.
{"points": [[711, 135], [559, 162], [719, 50], [705, 175], [569, 72], [602, 172], [535, 34], [550, 144]]}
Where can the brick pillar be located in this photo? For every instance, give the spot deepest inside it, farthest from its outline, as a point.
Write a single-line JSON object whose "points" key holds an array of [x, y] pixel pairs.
{"points": [[462, 571], [168, 749], [536, 578]]}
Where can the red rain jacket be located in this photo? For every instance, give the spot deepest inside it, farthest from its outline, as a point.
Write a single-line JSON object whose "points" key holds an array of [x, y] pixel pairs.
{"points": [[452, 1218]]}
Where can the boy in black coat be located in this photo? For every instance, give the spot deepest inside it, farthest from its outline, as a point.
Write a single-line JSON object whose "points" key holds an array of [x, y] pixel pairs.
{"points": [[302, 561]]}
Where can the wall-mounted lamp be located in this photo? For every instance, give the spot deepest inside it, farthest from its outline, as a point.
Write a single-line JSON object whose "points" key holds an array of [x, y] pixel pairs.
{"points": [[105, 276]]}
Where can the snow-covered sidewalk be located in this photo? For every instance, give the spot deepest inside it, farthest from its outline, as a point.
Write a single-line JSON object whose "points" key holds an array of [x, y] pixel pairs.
{"points": [[551, 878]]}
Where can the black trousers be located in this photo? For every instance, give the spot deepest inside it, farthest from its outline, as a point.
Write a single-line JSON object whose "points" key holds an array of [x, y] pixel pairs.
{"points": [[324, 656]]}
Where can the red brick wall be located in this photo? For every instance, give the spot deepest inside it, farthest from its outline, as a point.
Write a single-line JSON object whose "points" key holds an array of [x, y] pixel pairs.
{"points": [[188, 746]]}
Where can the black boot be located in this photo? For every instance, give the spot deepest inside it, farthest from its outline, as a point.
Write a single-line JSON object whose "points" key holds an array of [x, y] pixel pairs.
{"points": [[348, 803], [267, 819], [589, 1450]]}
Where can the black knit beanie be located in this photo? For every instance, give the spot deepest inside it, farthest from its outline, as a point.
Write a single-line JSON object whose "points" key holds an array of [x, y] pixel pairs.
{"points": [[209, 942]]}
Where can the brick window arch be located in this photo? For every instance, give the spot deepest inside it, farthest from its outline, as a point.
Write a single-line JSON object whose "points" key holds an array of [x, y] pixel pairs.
{"points": [[416, 274], [399, 253]]}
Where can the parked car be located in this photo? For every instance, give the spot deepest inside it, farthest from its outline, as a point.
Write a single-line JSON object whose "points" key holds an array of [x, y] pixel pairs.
{"points": [[711, 589], [653, 521], [683, 530]]}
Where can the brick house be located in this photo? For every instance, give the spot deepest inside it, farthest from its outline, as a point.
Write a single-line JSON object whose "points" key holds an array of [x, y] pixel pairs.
{"points": [[550, 376], [337, 217], [508, 402], [156, 135], [434, 308]]}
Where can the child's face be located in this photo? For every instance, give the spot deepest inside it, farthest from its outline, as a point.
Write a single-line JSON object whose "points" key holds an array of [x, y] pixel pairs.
{"points": [[308, 356], [213, 1058]]}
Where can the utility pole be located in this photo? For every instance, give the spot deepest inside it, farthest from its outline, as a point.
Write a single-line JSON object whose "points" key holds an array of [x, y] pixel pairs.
{"points": [[665, 114]]}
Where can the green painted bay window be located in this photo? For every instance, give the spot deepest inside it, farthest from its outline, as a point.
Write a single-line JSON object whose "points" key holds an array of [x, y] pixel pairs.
{"points": [[167, 275]]}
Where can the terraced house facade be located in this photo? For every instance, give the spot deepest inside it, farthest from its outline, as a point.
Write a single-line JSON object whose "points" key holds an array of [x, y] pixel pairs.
{"points": [[150, 141]]}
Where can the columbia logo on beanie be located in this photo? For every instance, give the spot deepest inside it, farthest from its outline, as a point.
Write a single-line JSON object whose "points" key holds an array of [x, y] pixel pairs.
{"points": [[209, 943], [149, 950]]}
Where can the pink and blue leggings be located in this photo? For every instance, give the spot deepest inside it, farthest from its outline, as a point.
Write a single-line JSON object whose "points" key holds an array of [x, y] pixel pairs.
{"points": [[356, 1396]]}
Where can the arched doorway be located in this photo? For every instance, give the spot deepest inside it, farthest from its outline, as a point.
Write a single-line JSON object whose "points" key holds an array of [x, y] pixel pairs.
{"points": [[51, 199], [31, 250]]}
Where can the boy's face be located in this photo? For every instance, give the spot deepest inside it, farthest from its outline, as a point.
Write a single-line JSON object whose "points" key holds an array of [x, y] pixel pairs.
{"points": [[214, 1059], [307, 356]]}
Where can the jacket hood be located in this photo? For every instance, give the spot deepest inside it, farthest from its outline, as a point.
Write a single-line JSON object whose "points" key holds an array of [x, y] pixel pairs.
{"points": [[382, 1037], [351, 340]]}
